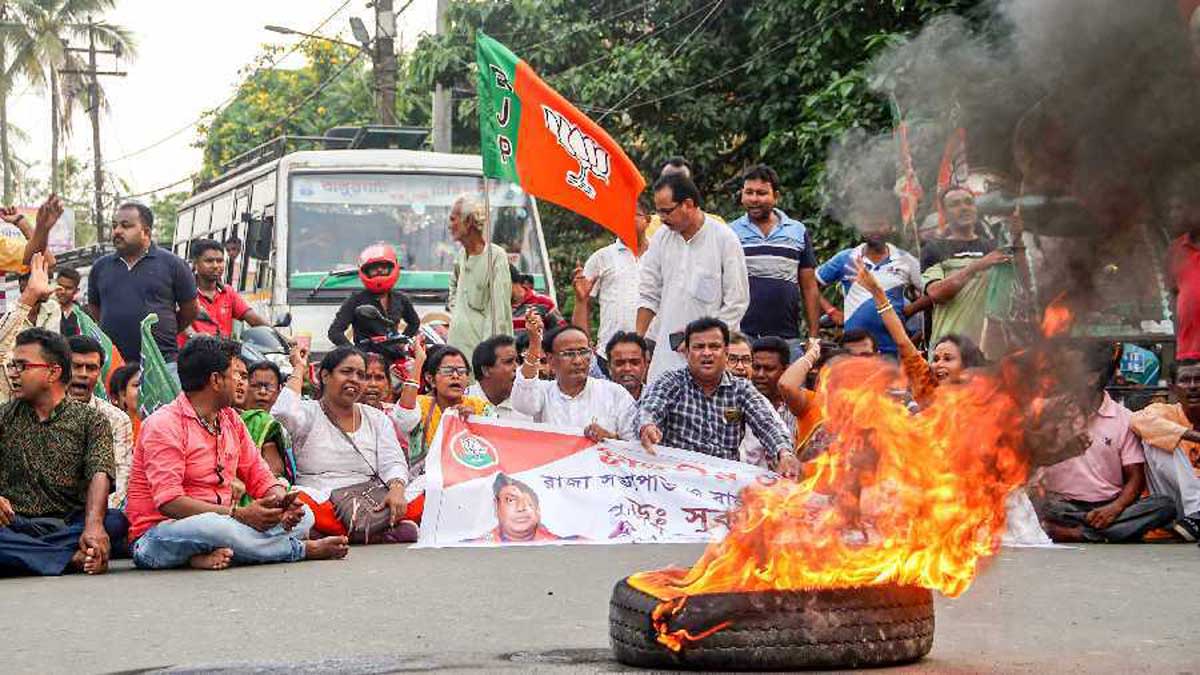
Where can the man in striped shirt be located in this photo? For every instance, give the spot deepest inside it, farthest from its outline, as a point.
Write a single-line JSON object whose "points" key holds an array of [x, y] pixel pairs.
{"points": [[780, 260]]}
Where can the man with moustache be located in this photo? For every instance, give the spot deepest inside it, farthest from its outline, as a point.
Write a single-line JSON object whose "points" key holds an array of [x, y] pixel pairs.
{"points": [[602, 409], [628, 361], [138, 279], [495, 365], [87, 362], [780, 261], [957, 269], [56, 462], [705, 409]]}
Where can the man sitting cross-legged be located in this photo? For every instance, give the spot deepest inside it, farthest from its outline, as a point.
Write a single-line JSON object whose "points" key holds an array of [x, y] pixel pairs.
{"points": [[1096, 497], [180, 500], [56, 463]]}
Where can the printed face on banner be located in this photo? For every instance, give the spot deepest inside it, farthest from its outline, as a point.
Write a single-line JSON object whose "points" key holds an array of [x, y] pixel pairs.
{"points": [[592, 157]]}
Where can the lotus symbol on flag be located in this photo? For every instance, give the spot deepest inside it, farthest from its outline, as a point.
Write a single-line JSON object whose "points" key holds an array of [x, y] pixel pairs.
{"points": [[473, 451], [582, 148]]}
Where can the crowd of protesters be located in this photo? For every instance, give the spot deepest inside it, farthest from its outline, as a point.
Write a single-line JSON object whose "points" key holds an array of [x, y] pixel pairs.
{"points": [[707, 340]]}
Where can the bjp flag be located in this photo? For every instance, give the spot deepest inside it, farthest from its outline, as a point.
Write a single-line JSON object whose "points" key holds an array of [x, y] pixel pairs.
{"points": [[532, 136]]}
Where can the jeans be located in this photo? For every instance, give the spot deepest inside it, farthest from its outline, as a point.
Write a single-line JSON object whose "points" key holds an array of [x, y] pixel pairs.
{"points": [[45, 546], [173, 543], [1133, 523]]}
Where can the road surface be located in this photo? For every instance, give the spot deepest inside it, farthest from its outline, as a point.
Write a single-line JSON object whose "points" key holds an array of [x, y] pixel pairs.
{"points": [[392, 609]]}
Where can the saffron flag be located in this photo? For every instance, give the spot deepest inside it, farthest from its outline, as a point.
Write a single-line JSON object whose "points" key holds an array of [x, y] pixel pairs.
{"points": [[532, 136], [159, 386], [909, 190], [953, 170], [112, 356]]}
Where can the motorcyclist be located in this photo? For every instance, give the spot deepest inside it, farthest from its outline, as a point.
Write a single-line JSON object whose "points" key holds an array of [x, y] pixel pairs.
{"points": [[378, 269]]}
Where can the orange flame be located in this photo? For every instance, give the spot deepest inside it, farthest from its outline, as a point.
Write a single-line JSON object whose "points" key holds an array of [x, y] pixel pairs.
{"points": [[898, 498], [1058, 318]]}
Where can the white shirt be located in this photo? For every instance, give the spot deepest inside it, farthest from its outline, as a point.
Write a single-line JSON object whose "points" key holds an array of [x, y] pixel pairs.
{"points": [[122, 444], [751, 451], [324, 460], [614, 273], [603, 402], [682, 281], [504, 409]]}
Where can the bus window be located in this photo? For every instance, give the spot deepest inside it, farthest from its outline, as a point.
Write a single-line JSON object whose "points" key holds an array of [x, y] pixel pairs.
{"points": [[263, 194], [183, 226], [202, 221], [222, 216], [333, 217]]}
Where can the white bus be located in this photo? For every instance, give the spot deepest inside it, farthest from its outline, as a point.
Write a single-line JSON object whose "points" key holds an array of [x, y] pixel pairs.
{"points": [[308, 214]]}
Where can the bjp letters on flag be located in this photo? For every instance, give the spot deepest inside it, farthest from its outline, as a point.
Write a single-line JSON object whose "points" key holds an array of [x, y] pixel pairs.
{"points": [[532, 136], [500, 482]]}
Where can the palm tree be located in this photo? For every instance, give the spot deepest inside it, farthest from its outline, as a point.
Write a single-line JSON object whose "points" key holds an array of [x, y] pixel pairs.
{"points": [[37, 41]]}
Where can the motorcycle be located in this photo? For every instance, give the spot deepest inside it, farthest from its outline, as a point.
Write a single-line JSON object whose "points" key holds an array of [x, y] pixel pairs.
{"points": [[263, 343]]}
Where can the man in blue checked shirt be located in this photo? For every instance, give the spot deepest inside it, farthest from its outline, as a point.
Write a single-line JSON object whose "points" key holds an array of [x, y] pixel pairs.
{"points": [[779, 260], [896, 270], [705, 409]]}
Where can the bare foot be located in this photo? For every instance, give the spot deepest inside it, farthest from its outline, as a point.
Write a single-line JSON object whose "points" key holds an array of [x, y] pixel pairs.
{"points": [[219, 559], [77, 561], [1063, 534], [93, 563], [326, 548]]}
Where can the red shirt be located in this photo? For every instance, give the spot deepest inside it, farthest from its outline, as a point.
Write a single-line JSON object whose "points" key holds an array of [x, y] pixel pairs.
{"points": [[1184, 266], [542, 304], [175, 456], [225, 306]]}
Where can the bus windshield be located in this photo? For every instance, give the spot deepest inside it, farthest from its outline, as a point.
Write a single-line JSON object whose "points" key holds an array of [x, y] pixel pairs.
{"points": [[333, 216]]}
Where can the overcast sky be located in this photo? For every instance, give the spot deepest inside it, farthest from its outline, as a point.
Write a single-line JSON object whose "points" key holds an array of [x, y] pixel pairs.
{"points": [[189, 54]]}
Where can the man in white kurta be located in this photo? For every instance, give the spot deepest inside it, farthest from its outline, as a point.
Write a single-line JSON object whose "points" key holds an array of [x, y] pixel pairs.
{"points": [[694, 268]]}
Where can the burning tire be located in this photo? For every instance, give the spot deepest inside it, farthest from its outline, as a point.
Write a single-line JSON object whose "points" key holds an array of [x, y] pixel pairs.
{"points": [[777, 630]]}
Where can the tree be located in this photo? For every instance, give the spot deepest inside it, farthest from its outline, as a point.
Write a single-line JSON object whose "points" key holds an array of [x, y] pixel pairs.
{"points": [[166, 214], [38, 40], [333, 88], [726, 84]]}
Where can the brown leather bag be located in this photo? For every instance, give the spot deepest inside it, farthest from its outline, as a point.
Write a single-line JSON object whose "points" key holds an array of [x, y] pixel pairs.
{"points": [[358, 506]]}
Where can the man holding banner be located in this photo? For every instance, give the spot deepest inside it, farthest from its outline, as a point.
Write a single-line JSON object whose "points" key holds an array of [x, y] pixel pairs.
{"points": [[704, 409], [600, 408]]}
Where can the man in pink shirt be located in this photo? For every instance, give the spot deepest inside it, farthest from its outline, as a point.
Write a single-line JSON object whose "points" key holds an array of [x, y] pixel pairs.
{"points": [[1095, 497], [180, 504]]}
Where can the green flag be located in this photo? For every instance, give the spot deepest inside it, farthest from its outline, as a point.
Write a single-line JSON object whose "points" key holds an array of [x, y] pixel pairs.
{"points": [[159, 386], [112, 356]]}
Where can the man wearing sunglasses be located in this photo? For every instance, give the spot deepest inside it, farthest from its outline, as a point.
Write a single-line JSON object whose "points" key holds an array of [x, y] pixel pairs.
{"points": [[601, 408], [181, 508], [56, 458]]}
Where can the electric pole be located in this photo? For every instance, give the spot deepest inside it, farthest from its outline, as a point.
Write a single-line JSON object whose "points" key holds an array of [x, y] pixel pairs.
{"points": [[441, 94], [384, 67], [94, 111]]}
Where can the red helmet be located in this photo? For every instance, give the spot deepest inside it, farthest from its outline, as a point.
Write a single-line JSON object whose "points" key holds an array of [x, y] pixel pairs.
{"points": [[373, 255]]}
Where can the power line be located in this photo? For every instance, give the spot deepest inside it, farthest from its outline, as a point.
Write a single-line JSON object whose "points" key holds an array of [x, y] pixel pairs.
{"points": [[274, 62], [745, 64], [582, 26], [282, 120], [715, 6]]}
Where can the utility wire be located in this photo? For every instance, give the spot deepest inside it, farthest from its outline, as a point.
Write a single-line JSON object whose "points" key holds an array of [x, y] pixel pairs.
{"points": [[745, 64], [674, 52], [274, 62]]}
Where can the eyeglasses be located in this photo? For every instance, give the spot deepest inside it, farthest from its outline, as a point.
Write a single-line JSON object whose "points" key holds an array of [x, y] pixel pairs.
{"points": [[663, 213], [740, 359], [265, 386], [453, 370], [572, 354], [18, 367]]}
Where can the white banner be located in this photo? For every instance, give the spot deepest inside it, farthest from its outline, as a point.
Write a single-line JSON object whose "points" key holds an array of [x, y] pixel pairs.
{"points": [[499, 482]]}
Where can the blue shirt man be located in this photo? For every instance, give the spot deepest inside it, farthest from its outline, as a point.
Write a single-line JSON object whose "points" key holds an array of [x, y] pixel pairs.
{"points": [[895, 269], [141, 278], [779, 260]]}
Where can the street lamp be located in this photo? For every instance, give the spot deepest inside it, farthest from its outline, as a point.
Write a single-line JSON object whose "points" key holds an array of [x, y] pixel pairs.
{"points": [[284, 30]]}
